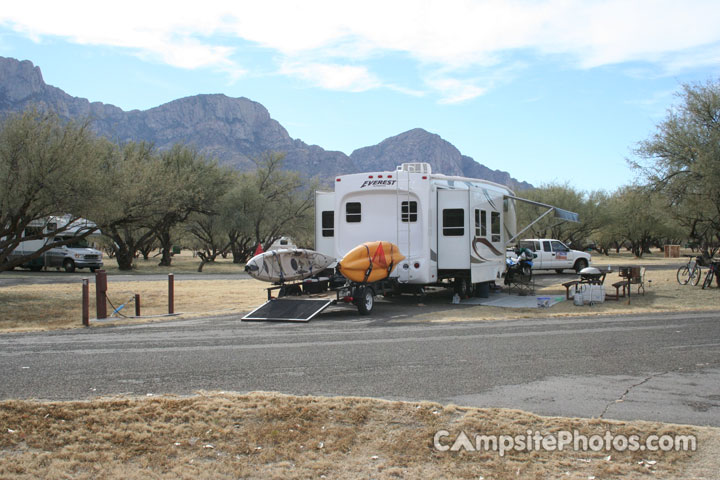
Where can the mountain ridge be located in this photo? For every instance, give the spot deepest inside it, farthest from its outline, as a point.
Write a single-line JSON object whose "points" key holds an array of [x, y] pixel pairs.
{"points": [[234, 130]]}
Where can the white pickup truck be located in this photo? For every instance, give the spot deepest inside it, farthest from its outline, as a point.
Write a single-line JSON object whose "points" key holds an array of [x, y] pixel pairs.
{"points": [[554, 255]]}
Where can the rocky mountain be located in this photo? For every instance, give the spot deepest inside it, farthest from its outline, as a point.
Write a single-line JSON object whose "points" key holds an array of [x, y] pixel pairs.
{"points": [[233, 130], [418, 145]]}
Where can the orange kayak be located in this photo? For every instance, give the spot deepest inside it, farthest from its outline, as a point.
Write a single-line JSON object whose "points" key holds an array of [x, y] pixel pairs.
{"points": [[370, 262]]}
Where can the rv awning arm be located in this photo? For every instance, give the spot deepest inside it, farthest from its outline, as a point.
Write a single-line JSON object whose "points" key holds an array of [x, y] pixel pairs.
{"points": [[559, 213]]}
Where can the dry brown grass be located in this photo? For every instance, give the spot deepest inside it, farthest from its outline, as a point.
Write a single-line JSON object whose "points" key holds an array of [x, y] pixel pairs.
{"points": [[264, 435], [42, 307]]}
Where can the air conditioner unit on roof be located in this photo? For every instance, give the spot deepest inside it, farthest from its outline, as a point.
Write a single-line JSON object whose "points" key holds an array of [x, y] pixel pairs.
{"points": [[415, 168]]}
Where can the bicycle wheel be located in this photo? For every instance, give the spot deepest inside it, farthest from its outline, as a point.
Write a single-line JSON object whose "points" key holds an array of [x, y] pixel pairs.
{"points": [[683, 275], [708, 279], [695, 276]]}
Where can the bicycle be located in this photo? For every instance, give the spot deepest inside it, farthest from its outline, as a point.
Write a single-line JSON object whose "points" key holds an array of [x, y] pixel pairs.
{"points": [[690, 273], [712, 272]]}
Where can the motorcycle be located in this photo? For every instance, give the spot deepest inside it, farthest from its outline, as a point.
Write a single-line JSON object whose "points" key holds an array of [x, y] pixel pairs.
{"points": [[518, 266]]}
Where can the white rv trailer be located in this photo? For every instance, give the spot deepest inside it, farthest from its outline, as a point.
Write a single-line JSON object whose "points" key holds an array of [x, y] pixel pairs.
{"points": [[76, 253], [447, 227]]}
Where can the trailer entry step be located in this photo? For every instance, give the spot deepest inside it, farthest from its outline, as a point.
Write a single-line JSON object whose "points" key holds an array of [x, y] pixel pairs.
{"points": [[288, 310]]}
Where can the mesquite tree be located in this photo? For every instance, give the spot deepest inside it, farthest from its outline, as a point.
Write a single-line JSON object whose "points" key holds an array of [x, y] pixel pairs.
{"points": [[682, 160], [48, 167]]}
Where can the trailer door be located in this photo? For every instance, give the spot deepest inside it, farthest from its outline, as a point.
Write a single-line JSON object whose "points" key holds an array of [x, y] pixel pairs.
{"points": [[325, 223], [453, 229]]}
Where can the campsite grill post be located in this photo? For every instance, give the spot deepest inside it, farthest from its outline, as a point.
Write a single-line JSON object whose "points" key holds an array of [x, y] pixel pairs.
{"points": [[137, 304], [85, 303], [171, 293], [100, 293]]}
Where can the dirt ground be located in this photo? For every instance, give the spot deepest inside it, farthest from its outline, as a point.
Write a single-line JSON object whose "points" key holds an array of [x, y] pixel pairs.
{"points": [[41, 307], [662, 294], [184, 262], [264, 435]]}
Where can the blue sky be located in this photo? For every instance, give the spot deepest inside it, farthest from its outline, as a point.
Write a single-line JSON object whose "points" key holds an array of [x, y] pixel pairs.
{"points": [[548, 90]]}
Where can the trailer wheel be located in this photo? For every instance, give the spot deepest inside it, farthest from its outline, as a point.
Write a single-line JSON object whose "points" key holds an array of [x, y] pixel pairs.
{"points": [[366, 301], [463, 287], [69, 265]]}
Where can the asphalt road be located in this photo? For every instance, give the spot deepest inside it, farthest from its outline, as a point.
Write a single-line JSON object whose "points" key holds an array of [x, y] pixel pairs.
{"points": [[663, 367]]}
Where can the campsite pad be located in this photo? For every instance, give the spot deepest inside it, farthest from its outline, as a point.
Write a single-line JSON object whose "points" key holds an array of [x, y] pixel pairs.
{"points": [[506, 300]]}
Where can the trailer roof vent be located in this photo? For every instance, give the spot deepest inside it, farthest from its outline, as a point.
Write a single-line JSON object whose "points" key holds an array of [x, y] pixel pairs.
{"points": [[415, 168]]}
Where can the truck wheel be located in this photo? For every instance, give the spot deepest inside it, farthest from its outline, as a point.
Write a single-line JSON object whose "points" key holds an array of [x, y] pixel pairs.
{"points": [[580, 264], [365, 301], [69, 265], [92, 269], [35, 268]]}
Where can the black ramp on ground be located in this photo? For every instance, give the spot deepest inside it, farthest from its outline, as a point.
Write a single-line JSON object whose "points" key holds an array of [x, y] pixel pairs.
{"points": [[288, 310]]}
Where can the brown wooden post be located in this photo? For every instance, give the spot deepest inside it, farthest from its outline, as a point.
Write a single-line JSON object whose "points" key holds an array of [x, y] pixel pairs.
{"points": [[171, 293], [101, 293], [85, 303], [137, 304]]}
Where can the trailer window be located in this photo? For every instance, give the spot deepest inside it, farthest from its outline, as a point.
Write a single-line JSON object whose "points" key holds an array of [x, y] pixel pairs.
{"points": [[328, 223], [453, 222], [353, 212], [495, 226], [408, 211], [480, 223]]}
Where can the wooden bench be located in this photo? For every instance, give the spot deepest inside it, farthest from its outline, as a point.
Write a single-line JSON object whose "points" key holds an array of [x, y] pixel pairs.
{"points": [[624, 284], [567, 286]]}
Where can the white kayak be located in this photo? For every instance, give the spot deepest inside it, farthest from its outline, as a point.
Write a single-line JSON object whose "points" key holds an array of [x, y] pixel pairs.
{"points": [[287, 265]]}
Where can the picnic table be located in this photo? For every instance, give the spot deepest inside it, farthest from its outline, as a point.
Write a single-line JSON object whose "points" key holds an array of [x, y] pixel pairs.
{"points": [[631, 275]]}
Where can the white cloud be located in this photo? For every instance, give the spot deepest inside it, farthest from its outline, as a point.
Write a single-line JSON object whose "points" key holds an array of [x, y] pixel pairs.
{"points": [[325, 40], [169, 34], [456, 91], [333, 77]]}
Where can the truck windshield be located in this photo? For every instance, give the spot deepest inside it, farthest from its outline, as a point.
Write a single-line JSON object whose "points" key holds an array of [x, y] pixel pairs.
{"points": [[76, 243]]}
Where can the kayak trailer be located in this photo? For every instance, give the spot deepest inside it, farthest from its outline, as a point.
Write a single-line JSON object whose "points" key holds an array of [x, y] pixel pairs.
{"points": [[301, 301]]}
